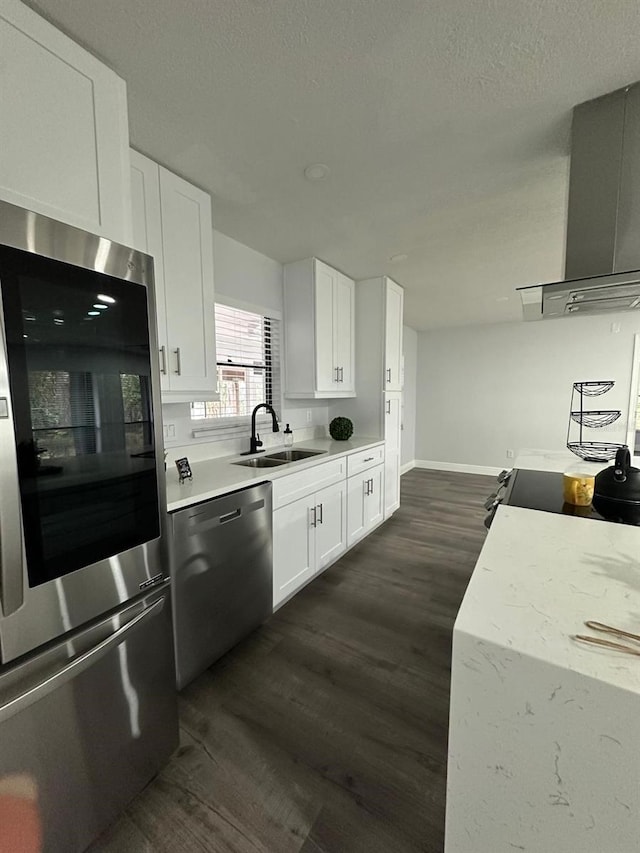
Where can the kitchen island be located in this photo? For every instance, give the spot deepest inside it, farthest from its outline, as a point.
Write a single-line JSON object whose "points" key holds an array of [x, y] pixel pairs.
{"points": [[544, 742]]}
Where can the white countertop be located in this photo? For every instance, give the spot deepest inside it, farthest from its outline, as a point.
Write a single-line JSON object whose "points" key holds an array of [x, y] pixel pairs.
{"points": [[214, 477], [541, 575], [562, 460]]}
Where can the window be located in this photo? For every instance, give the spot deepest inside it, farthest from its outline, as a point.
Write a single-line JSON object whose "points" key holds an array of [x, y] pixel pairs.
{"points": [[80, 412], [248, 359]]}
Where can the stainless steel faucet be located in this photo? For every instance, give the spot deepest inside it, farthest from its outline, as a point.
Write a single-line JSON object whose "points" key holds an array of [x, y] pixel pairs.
{"points": [[255, 438]]}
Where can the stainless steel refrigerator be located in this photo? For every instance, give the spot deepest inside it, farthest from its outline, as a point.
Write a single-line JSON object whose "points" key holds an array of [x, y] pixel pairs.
{"points": [[88, 709]]}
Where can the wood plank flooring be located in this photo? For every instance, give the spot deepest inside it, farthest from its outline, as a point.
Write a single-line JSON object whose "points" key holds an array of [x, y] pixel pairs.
{"points": [[326, 730]]}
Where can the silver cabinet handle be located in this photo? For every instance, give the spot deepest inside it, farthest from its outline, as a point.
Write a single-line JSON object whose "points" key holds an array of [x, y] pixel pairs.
{"points": [[372, 489], [163, 360], [314, 522], [342, 374], [178, 361], [388, 374], [337, 370], [369, 459], [388, 407], [11, 559], [78, 665], [366, 484], [320, 520]]}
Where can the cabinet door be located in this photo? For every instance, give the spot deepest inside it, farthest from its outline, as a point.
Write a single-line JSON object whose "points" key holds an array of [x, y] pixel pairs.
{"points": [[392, 420], [393, 337], [293, 548], [147, 236], [357, 489], [375, 498], [331, 524], [344, 331], [391, 482], [187, 241], [64, 133], [392, 427], [326, 367]]}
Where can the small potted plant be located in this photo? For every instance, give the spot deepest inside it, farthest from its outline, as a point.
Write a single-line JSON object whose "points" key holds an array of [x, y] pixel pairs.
{"points": [[341, 429]]}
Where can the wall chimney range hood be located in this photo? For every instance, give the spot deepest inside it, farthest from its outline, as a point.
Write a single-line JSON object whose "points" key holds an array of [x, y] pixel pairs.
{"points": [[602, 261]]}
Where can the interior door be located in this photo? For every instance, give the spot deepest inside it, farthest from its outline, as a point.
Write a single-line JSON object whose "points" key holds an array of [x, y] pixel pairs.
{"points": [[343, 331], [331, 524], [326, 366]]}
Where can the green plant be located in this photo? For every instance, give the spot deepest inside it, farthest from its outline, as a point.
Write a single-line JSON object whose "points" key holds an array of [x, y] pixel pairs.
{"points": [[341, 429]]}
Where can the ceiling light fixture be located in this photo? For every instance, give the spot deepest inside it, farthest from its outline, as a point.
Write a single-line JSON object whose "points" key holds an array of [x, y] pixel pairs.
{"points": [[108, 299], [395, 259], [100, 306], [93, 313], [316, 172]]}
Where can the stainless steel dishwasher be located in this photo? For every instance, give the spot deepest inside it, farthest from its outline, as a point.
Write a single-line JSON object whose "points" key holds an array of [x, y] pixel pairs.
{"points": [[222, 575]]}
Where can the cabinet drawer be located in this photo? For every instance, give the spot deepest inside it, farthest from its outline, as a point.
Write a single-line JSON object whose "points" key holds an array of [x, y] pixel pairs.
{"points": [[358, 462], [303, 483]]}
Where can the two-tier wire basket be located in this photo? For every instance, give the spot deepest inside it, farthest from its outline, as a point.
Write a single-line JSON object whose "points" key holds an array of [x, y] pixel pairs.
{"points": [[590, 451]]}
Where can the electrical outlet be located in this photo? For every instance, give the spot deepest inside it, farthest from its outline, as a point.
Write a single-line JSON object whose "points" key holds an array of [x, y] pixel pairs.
{"points": [[510, 454], [169, 431], [309, 416], [615, 328]]}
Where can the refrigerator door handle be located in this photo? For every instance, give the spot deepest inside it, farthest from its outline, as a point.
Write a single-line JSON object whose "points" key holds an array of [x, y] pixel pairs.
{"points": [[11, 545], [78, 665]]}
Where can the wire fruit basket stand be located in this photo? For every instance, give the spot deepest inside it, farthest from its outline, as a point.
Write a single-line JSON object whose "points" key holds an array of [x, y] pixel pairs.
{"points": [[591, 451]]}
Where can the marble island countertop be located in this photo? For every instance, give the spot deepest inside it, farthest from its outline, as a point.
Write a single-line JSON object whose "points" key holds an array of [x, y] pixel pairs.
{"points": [[541, 575], [215, 477], [544, 743]]}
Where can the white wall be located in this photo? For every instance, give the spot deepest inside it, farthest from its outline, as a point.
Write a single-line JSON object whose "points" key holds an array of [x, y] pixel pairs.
{"points": [[253, 279], [485, 389], [410, 353]]}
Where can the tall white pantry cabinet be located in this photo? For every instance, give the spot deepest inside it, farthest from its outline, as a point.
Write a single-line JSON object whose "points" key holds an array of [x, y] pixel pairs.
{"points": [[64, 132], [377, 408]]}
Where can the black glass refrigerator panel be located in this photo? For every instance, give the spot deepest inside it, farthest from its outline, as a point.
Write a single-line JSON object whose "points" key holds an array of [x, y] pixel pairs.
{"points": [[80, 376]]}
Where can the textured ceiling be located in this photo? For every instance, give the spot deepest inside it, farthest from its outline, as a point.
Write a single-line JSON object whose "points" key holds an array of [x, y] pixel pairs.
{"points": [[445, 124]]}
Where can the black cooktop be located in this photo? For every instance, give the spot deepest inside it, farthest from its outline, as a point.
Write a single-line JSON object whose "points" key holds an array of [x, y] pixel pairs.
{"points": [[543, 490]]}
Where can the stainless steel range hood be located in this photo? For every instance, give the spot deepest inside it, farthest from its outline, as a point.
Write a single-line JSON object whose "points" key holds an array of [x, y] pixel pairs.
{"points": [[602, 261]]}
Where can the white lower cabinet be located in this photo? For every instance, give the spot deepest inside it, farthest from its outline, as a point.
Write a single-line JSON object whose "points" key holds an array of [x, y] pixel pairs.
{"points": [[392, 433], [365, 503], [308, 534]]}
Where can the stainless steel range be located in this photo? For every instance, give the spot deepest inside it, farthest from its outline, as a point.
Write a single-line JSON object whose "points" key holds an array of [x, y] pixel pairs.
{"points": [[87, 703]]}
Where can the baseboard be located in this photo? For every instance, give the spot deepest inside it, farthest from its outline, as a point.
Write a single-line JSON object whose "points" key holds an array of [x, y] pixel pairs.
{"points": [[407, 467], [457, 467]]}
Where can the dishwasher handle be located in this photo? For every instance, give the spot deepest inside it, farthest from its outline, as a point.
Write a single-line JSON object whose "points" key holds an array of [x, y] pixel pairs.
{"points": [[230, 516]]}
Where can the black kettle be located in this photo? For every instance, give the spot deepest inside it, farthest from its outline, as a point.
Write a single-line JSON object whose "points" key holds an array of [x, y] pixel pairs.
{"points": [[616, 494]]}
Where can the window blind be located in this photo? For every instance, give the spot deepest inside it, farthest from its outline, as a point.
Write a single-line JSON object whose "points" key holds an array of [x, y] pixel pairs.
{"points": [[248, 364]]}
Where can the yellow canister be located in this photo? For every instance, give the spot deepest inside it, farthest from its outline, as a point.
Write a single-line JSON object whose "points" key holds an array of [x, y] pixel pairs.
{"points": [[578, 488]]}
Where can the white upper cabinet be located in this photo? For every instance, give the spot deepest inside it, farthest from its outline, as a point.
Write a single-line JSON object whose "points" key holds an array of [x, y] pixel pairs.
{"points": [[64, 134], [172, 222], [393, 337], [319, 331]]}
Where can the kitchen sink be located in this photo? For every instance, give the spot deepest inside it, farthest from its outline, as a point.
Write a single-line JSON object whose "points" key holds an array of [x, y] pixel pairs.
{"points": [[261, 462], [293, 455]]}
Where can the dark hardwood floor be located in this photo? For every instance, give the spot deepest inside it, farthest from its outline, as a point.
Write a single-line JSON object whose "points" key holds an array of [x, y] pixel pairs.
{"points": [[326, 730]]}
